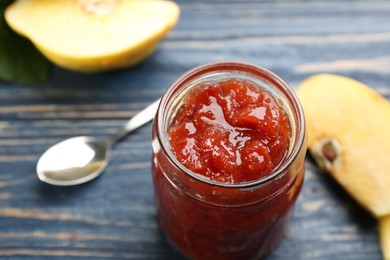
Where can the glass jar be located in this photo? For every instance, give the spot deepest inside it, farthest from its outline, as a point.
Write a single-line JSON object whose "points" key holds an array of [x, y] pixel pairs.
{"points": [[206, 219]]}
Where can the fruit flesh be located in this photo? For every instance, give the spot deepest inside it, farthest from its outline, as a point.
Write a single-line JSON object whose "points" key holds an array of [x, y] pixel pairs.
{"points": [[95, 64], [384, 227], [349, 134], [347, 110], [231, 131], [93, 35]]}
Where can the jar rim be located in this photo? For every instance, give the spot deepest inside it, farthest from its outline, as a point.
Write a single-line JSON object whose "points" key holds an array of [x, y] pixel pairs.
{"points": [[238, 66]]}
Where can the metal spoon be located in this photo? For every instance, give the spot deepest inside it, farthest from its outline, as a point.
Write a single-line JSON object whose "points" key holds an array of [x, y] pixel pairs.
{"points": [[80, 159]]}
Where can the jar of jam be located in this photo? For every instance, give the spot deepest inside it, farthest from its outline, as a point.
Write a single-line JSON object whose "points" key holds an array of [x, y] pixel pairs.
{"points": [[228, 160]]}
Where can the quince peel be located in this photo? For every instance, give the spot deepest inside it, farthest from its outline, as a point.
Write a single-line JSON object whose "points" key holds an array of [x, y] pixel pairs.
{"points": [[348, 127], [93, 35]]}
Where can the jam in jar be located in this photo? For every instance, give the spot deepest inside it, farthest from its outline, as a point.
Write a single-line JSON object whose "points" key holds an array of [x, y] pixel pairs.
{"points": [[228, 161]]}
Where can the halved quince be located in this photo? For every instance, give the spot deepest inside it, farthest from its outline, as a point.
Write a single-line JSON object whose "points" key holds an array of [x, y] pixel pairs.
{"points": [[348, 127], [93, 35]]}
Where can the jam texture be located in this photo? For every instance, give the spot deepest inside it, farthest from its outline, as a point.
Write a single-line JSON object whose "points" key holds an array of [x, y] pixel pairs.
{"points": [[231, 131]]}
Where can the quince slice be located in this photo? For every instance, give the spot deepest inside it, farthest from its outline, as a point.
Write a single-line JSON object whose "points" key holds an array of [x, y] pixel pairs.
{"points": [[93, 35], [348, 127], [384, 229]]}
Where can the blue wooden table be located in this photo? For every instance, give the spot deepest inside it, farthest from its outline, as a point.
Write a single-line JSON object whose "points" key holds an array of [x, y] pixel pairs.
{"points": [[113, 217]]}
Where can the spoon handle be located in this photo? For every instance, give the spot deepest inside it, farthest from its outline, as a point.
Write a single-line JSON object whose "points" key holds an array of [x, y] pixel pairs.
{"points": [[136, 121]]}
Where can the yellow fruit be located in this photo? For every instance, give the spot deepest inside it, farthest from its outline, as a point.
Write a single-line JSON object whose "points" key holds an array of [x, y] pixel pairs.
{"points": [[384, 228], [348, 127], [93, 35]]}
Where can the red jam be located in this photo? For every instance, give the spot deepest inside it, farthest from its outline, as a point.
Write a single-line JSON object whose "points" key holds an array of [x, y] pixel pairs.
{"points": [[231, 131], [228, 161]]}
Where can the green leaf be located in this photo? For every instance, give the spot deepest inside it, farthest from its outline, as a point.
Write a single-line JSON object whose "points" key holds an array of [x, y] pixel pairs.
{"points": [[20, 62], [4, 3]]}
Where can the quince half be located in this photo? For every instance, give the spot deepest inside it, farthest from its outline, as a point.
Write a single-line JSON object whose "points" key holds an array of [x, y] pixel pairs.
{"points": [[348, 127], [93, 35]]}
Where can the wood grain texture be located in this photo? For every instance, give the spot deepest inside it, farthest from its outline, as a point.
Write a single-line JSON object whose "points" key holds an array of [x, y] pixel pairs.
{"points": [[113, 217]]}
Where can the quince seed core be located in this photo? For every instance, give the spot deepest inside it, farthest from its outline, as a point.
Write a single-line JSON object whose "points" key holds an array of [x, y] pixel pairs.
{"points": [[326, 152]]}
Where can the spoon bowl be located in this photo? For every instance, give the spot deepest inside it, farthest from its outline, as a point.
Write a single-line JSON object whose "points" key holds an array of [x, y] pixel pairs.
{"points": [[80, 159], [73, 161]]}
